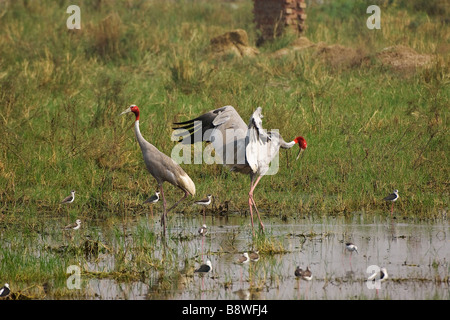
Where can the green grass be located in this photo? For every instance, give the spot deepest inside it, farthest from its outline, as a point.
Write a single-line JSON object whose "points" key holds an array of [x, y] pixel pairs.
{"points": [[369, 129]]}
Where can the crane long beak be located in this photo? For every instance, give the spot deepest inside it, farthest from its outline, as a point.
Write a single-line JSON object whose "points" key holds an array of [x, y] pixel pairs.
{"points": [[299, 152], [126, 111]]}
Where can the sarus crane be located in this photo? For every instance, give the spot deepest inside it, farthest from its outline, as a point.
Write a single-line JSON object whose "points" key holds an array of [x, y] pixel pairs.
{"points": [[161, 167], [247, 149]]}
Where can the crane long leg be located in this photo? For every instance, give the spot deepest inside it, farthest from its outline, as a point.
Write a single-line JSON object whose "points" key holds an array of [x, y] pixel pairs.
{"points": [[182, 198], [251, 202], [165, 211], [163, 216], [257, 212]]}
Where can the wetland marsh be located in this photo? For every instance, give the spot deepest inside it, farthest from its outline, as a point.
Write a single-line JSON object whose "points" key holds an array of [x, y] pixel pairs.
{"points": [[374, 123], [130, 260]]}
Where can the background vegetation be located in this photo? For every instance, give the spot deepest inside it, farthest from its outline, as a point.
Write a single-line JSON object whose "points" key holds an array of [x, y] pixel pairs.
{"points": [[369, 129]]}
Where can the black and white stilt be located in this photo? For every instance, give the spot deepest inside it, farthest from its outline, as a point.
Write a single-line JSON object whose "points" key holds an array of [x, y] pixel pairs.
{"points": [[204, 268], [203, 230], [243, 259], [204, 203], [152, 200], [392, 198], [303, 274], [69, 199], [254, 256], [307, 274], [73, 226], [351, 247], [5, 291]]}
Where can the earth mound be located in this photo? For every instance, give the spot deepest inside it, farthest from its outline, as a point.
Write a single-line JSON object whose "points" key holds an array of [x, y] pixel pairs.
{"points": [[232, 42], [403, 59]]}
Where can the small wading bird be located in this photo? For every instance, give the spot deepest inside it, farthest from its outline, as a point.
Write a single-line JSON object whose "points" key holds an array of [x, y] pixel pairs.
{"points": [[254, 256], [303, 274], [250, 150], [203, 230], [392, 198], [307, 274], [351, 247], [73, 226], [152, 200], [243, 259], [69, 199], [204, 203], [162, 168], [4, 291], [204, 268]]}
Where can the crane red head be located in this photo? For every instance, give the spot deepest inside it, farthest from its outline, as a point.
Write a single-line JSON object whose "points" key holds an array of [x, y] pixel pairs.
{"points": [[133, 108], [301, 143]]}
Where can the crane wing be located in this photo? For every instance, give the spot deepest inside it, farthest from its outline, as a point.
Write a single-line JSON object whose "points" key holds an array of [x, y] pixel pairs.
{"points": [[224, 128], [260, 148], [220, 119]]}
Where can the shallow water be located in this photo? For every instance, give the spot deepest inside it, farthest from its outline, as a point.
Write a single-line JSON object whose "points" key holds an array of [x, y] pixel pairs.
{"points": [[416, 256]]}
